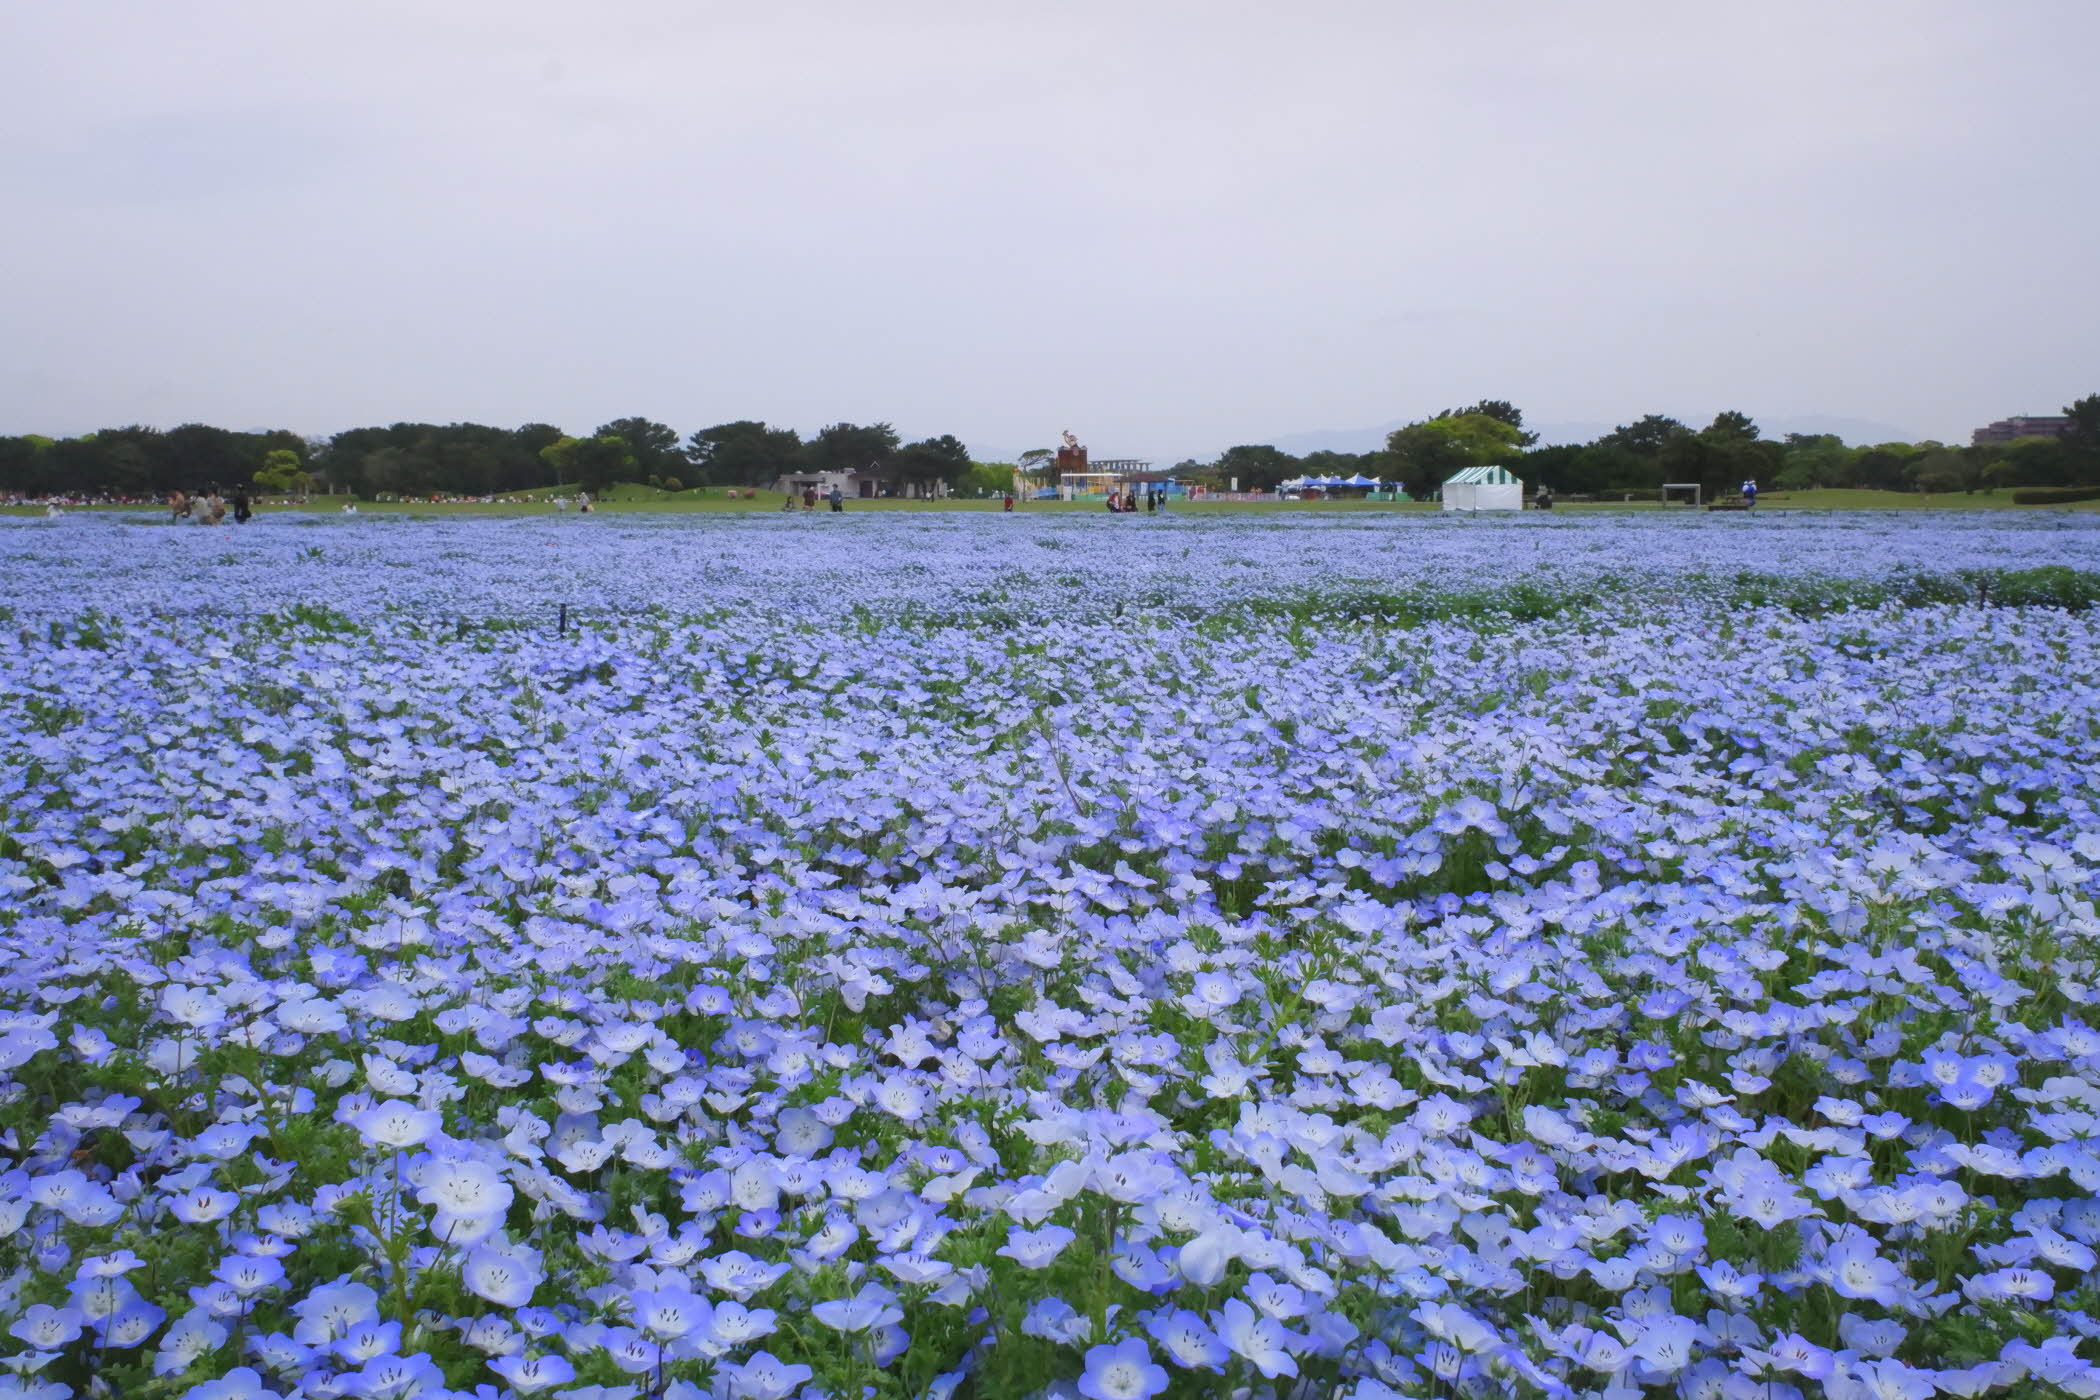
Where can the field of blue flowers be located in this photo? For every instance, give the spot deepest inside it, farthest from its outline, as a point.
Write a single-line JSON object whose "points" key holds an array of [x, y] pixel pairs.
{"points": [[996, 957]]}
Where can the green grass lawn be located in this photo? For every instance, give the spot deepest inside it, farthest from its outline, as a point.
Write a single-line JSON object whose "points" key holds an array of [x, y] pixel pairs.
{"points": [[636, 499]]}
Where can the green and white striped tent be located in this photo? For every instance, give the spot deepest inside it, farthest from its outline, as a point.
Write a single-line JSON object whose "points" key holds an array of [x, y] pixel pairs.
{"points": [[1484, 488]]}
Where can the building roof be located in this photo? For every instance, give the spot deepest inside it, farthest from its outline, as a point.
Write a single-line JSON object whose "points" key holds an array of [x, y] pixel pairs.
{"points": [[1483, 476]]}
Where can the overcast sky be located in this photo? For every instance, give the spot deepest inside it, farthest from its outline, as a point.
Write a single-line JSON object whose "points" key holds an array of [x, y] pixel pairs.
{"points": [[1168, 226]]}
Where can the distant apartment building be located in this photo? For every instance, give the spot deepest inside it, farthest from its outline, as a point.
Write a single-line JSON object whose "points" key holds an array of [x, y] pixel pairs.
{"points": [[2006, 429]]}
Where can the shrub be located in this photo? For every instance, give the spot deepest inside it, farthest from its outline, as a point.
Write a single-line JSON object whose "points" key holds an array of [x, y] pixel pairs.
{"points": [[2055, 495]]}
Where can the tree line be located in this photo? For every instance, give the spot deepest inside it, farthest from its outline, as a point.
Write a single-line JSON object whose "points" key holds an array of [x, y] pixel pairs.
{"points": [[474, 459], [1643, 455]]}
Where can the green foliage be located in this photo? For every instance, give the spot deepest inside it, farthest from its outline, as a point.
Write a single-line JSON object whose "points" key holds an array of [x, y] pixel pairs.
{"points": [[1038, 465], [1646, 437], [652, 446], [1502, 411], [1256, 467], [593, 463], [928, 463], [1944, 469], [2056, 495], [852, 447], [281, 471], [743, 453], [2083, 433], [986, 478], [1424, 454]]}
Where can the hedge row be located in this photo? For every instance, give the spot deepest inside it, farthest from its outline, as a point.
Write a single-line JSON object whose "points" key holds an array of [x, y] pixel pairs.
{"points": [[2055, 495]]}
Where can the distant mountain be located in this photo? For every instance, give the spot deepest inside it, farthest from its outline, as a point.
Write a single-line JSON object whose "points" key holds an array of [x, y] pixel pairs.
{"points": [[984, 452], [1857, 432], [1336, 439]]}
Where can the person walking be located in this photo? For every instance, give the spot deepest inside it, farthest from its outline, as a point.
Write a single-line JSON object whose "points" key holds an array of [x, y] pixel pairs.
{"points": [[809, 498], [1008, 507], [838, 499], [1750, 494], [241, 509]]}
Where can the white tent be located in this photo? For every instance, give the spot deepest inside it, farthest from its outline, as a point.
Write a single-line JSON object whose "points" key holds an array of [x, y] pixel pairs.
{"points": [[1484, 488]]}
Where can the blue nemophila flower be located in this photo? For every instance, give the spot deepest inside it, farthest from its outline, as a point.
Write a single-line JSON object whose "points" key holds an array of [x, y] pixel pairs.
{"points": [[389, 1377], [1038, 1248], [872, 1307], [764, 1377], [1187, 1340], [1124, 1370], [241, 1383], [1763, 921], [249, 1274], [1262, 1341], [331, 1310], [503, 1274], [46, 1328], [667, 1314], [395, 1125], [529, 1375], [187, 1338]]}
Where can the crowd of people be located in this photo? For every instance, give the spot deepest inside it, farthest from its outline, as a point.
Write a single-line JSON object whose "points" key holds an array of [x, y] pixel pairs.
{"points": [[63, 499], [1125, 502], [209, 508], [835, 498]]}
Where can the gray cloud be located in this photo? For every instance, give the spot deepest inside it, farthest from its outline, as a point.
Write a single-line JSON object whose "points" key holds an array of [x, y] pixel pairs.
{"points": [[1171, 226]]}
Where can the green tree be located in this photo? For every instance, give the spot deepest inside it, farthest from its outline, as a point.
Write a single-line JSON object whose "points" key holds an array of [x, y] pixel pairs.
{"points": [[1257, 466], [929, 463], [1938, 470], [2083, 431], [200, 456], [1730, 426], [987, 478], [1646, 437], [1558, 469], [653, 446], [2040, 461], [1812, 460], [594, 462], [1038, 465], [1425, 454], [743, 453], [1721, 457], [854, 447], [1342, 464], [2080, 441], [282, 471], [1502, 411], [1191, 472], [1883, 467]]}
